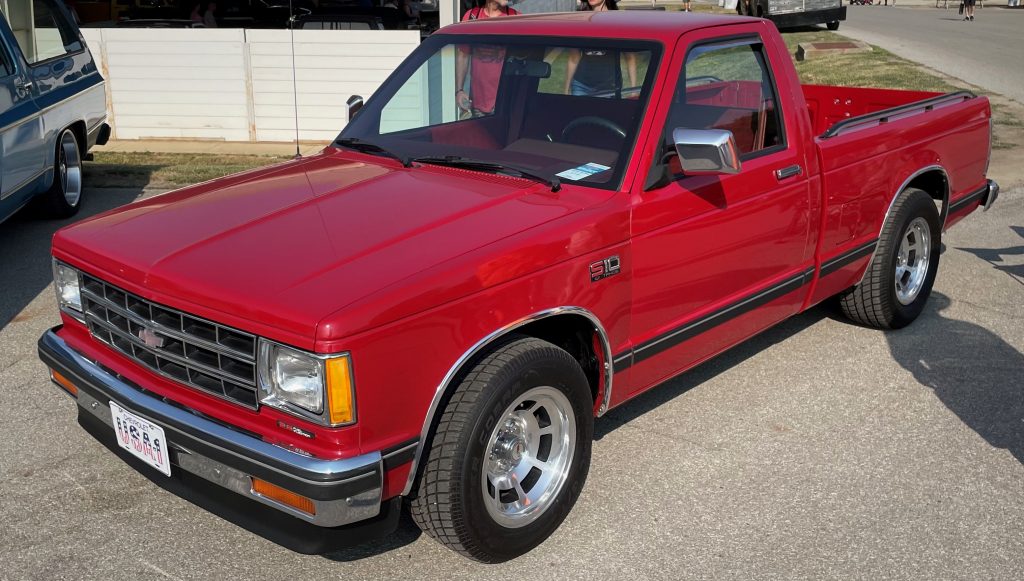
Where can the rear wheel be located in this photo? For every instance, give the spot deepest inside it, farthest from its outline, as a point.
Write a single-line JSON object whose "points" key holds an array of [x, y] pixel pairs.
{"points": [[65, 194], [900, 277], [510, 455], [833, 25]]}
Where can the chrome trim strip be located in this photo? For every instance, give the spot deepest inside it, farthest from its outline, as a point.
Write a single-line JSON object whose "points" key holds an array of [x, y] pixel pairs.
{"points": [[896, 195], [443, 386], [400, 450]]}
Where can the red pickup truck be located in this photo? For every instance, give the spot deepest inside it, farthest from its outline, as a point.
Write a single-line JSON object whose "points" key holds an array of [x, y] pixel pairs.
{"points": [[437, 306]]}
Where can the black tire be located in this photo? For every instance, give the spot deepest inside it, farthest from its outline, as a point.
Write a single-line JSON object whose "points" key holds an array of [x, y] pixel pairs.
{"points": [[64, 197], [875, 302], [833, 25], [449, 504]]}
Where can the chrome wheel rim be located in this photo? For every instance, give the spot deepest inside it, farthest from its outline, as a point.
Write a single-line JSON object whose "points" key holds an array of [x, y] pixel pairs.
{"points": [[528, 456], [69, 168], [912, 260]]}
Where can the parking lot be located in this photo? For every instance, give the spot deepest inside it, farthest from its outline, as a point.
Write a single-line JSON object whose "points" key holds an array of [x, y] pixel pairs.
{"points": [[819, 449]]}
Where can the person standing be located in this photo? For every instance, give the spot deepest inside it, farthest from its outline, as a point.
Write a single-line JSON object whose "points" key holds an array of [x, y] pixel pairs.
{"points": [[968, 9], [210, 16], [592, 71], [483, 63]]}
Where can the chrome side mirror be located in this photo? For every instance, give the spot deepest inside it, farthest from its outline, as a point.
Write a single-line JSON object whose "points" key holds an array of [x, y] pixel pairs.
{"points": [[706, 151], [355, 103]]}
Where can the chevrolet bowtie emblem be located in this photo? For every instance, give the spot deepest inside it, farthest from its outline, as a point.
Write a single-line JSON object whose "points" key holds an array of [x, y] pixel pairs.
{"points": [[150, 338]]}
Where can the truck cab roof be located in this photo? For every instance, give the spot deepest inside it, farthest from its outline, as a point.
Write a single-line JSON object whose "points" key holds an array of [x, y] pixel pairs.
{"points": [[632, 24]]}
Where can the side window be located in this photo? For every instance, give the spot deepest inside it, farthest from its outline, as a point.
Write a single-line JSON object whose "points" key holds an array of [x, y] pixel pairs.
{"points": [[728, 86], [6, 66], [47, 34], [427, 98]]}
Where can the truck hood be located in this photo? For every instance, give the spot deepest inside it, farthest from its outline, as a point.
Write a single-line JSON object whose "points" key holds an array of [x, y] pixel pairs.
{"points": [[283, 247]]}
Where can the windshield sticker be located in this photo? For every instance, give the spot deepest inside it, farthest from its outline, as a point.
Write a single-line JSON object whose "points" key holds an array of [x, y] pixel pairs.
{"points": [[583, 171]]}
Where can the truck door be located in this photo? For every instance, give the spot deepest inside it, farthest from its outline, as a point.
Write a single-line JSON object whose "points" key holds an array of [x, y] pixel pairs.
{"points": [[20, 127], [718, 258], [52, 57]]}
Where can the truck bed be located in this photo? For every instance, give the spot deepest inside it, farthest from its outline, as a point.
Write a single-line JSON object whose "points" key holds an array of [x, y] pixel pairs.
{"points": [[829, 105], [872, 143]]}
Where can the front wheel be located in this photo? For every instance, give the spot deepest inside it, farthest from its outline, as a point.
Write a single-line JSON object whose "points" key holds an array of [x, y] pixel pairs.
{"points": [[510, 455], [900, 277], [65, 194], [833, 25]]}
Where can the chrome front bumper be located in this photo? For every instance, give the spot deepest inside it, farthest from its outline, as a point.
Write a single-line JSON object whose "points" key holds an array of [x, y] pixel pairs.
{"points": [[990, 195], [343, 491]]}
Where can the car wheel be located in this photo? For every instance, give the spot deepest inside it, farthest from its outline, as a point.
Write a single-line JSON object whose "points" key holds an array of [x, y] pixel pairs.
{"points": [[901, 273], [833, 25], [510, 455], [65, 194]]}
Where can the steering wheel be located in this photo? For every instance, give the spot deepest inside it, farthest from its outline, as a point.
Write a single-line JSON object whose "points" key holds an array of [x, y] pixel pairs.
{"points": [[591, 121]]}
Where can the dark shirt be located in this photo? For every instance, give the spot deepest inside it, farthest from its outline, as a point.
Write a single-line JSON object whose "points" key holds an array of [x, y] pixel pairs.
{"points": [[598, 69]]}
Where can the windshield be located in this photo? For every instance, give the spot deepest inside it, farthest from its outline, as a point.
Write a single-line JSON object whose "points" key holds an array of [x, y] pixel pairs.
{"points": [[561, 109]]}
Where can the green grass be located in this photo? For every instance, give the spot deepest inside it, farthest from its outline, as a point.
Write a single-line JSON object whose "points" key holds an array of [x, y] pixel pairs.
{"points": [[879, 69], [159, 170]]}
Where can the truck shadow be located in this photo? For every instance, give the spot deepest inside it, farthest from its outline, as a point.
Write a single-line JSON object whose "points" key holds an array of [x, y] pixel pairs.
{"points": [[25, 256], [997, 256], [674, 388], [338, 544], [973, 371]]}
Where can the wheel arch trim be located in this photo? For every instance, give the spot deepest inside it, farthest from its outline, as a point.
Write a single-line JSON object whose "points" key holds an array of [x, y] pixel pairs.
{"points": [[896, 196], [445, 385]]}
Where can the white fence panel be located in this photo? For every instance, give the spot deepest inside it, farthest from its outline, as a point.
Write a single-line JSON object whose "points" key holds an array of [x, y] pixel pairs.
{"points": [[236, 85], [176, 83], [330, 66]]}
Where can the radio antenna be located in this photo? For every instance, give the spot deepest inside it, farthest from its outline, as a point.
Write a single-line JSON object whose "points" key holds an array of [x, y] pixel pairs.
{"points": [[295, 90]]}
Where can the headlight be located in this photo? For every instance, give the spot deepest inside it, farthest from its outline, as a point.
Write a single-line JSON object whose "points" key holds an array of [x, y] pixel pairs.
{"points": [[69, 294], [316, 387]]}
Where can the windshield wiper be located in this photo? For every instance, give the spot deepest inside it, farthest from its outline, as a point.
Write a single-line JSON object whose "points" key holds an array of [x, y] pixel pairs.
{"points": [[491, 167], [372, 148]]}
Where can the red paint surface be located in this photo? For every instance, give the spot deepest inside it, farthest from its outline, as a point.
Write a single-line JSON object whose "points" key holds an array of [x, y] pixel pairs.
{"points": [[407, 268]]}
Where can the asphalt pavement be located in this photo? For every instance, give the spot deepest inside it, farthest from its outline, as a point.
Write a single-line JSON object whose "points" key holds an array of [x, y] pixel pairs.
{"points": [[985, 52], [817, 450]]}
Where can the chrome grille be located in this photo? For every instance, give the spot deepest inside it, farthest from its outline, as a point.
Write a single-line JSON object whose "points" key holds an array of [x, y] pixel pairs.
{"points": [[199, 353]]}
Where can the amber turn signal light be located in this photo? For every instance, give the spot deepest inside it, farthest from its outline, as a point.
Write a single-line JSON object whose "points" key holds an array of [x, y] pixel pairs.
{"points": [[64, 382], [339, 391], [287, 497]]}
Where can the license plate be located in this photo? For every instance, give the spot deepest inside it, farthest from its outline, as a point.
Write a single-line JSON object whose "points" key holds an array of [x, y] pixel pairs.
{"points": [[144, 439]]}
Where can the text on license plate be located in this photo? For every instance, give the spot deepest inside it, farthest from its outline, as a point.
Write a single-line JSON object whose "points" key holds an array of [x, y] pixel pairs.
{"points": [[144, 439]]}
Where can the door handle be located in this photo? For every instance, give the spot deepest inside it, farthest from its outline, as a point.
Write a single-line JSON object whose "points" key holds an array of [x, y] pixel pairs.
{"points": [[787, 172], [23, 86]]}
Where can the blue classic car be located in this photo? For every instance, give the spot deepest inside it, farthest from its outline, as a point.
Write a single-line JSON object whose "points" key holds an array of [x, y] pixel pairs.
{"points": [[52, 107]]}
